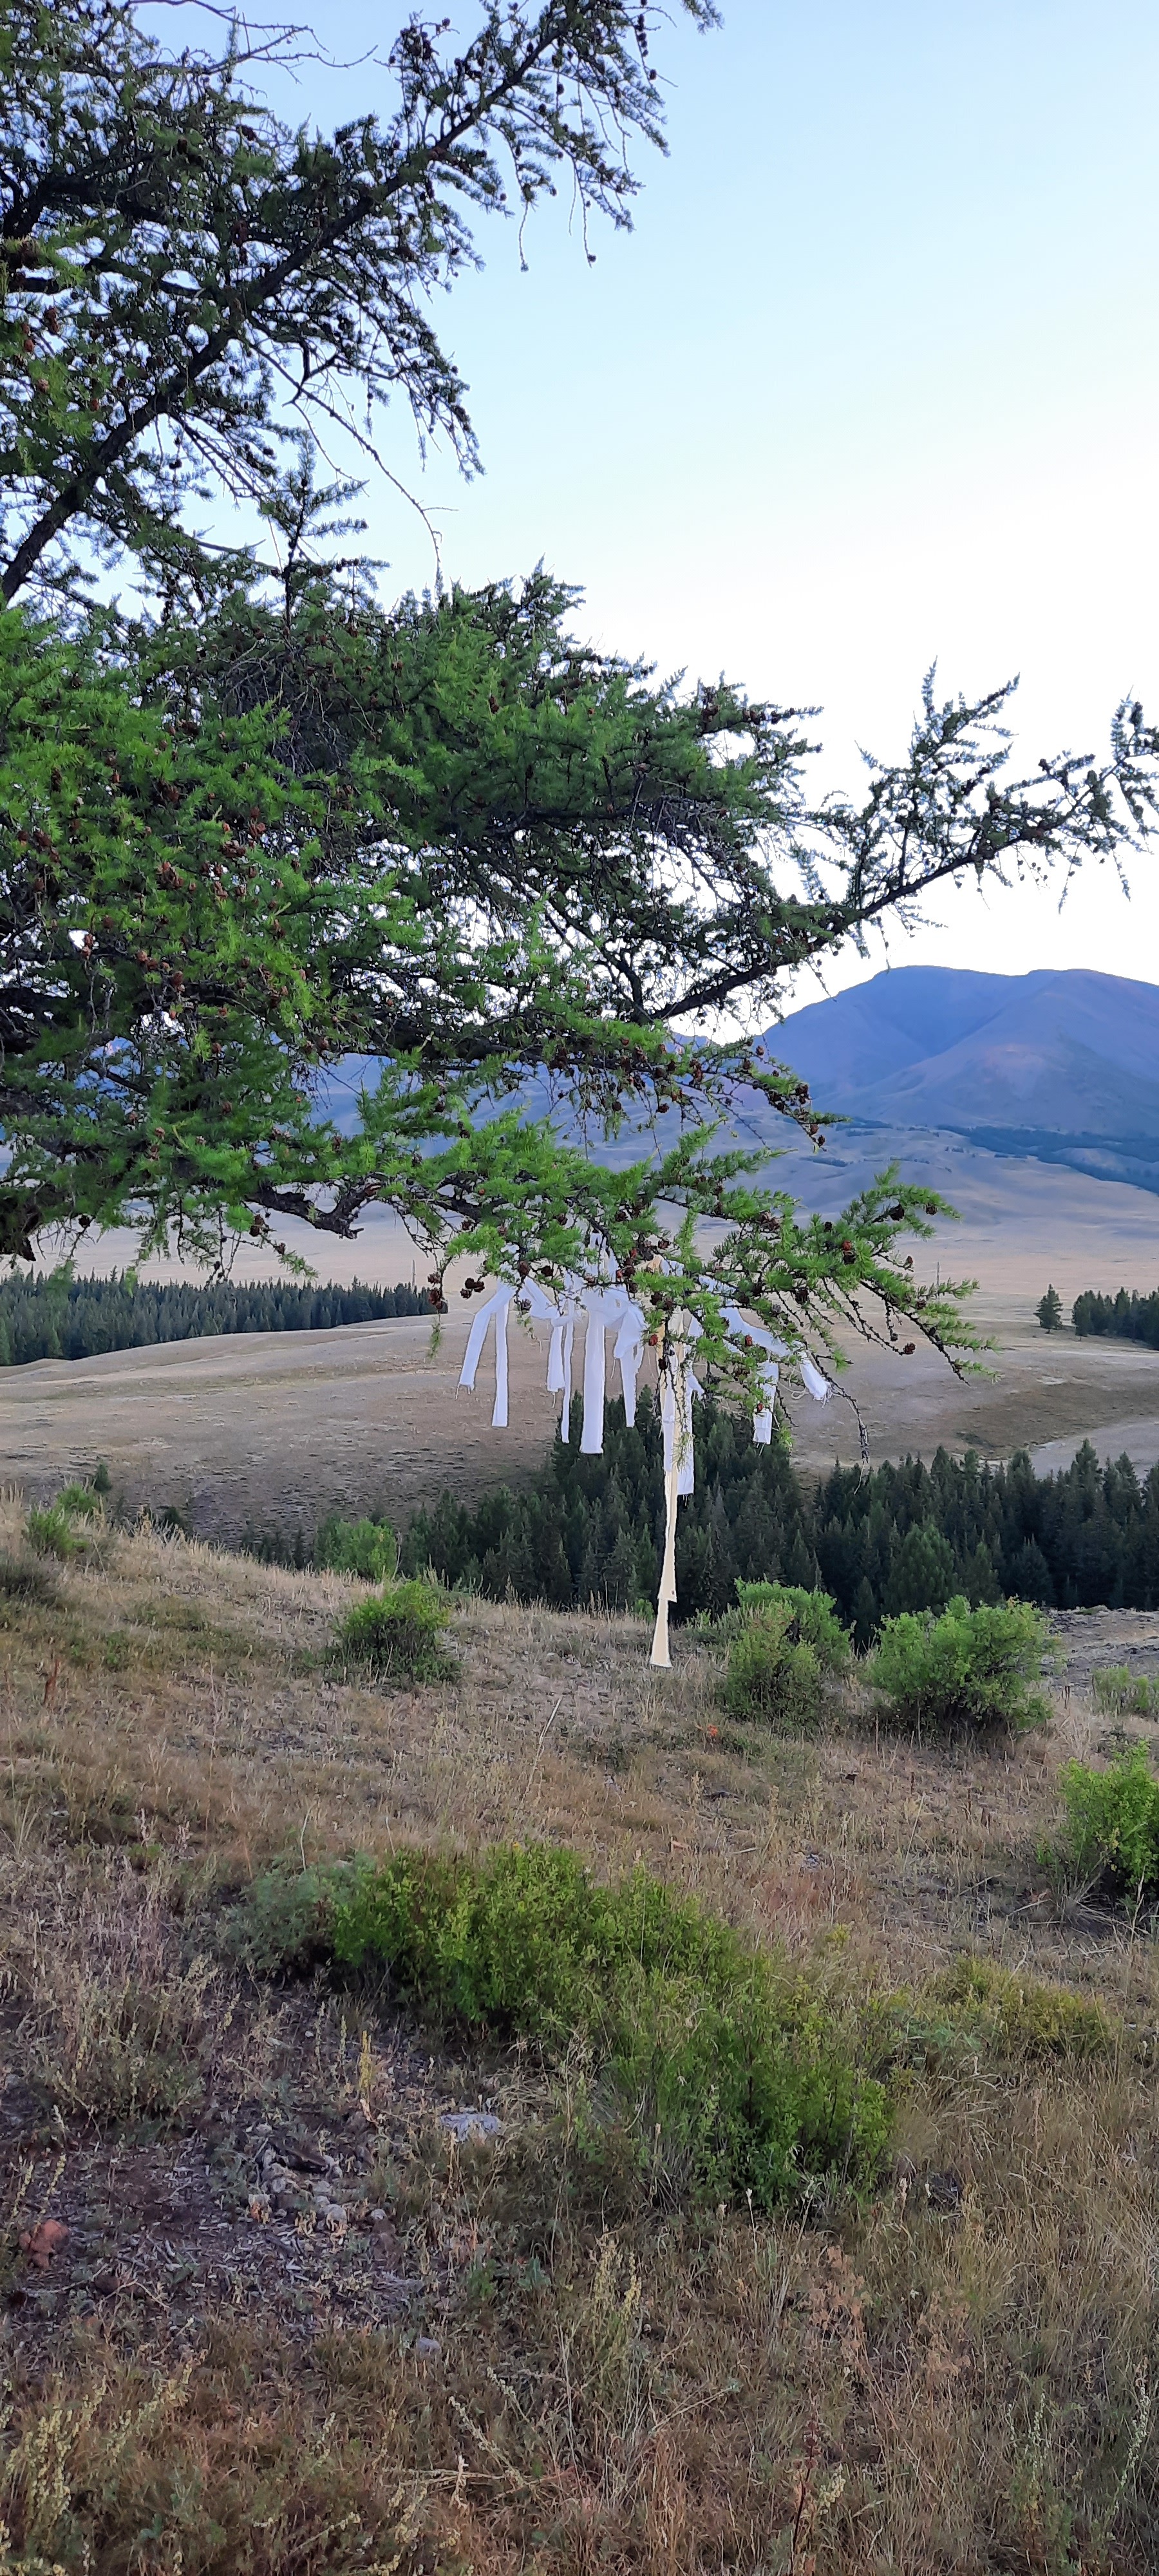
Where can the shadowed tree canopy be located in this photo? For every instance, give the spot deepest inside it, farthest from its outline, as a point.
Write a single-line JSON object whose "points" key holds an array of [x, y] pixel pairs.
{"points": [[264, 823], [186, 280]]}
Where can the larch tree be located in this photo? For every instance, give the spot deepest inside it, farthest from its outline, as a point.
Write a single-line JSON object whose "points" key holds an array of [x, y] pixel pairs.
{"points": [[258, 823]]}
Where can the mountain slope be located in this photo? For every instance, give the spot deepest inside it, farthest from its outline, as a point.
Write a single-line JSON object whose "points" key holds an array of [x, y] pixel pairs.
{"points": [[1062, 1065]]}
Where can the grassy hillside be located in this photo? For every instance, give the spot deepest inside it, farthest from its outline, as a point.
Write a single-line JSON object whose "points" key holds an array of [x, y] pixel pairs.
{"points": [[296, 2324]]}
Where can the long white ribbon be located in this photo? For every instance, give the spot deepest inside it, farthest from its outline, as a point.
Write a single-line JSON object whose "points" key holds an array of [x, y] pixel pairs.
{"points": [[628, 1351], [497, 1309], [603, 1307], [677, 1387], [770, 1372]]}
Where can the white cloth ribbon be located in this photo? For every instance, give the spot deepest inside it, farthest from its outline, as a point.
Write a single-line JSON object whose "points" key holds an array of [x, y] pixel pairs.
{"points": [[603, 1308], [678, 1385], [628, 1351], [497, 1309], [770, 1372]]}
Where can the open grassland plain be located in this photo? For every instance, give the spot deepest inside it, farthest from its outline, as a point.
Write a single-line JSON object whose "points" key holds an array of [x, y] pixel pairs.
{"points": [[264, 2309], [272, 1431]]}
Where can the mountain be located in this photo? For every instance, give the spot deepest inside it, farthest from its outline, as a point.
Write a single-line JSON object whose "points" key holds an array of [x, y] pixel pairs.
{"points": [[1062, 1066]]}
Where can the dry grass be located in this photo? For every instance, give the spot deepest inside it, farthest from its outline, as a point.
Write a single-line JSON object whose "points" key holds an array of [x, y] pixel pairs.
{"points": [[957, 2379]]}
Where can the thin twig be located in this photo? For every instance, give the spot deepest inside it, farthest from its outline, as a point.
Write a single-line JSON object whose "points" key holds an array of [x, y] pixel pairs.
{"points": [[541, 1743]]}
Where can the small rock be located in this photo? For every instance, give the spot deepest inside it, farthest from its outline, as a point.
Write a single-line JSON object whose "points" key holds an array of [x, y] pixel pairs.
{"points": [[378, 2217], [42, 2242], [426, 2348], [470, 2124], [333, 2215]]}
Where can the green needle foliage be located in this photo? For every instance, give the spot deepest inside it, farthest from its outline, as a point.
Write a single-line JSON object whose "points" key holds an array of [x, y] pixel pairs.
{"points": [[256, 826], [186, 279]]}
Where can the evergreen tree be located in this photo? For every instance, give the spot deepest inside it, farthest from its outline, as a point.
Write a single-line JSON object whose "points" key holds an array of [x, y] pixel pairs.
{"points": [[1049, 1311], [263, 822], [906, 1537]]}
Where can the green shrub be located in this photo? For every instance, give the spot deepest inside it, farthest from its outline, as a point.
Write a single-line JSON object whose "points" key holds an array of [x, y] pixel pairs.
{"points": [[81, 1502], [784, 1643], [397, 1636], [964, 1670], [976, 2010], [814, 1613], [364, 1547], [735, 2078], [1121, 1693], [1019, 2017], [286, 1925], [50, 1531], [1113, 1823]]}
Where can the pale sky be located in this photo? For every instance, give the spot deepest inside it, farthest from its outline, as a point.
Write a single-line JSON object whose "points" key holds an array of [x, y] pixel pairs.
{"points": [[874, 381]]}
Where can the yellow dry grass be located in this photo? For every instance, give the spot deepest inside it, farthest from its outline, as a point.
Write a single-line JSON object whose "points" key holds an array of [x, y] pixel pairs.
{"points": [[957, 2378]]}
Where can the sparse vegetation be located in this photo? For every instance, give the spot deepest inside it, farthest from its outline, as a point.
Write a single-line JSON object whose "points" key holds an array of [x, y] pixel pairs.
{"points": [[1017, 2016], [211, 2357], [969, 1671], [1123, 1693]]}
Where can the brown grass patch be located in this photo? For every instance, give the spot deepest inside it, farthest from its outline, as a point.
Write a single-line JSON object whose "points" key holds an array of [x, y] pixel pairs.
{"points": [[504, 2358]]}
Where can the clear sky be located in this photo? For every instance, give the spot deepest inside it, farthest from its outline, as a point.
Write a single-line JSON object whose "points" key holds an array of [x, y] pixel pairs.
{"points": [[874, 381]]}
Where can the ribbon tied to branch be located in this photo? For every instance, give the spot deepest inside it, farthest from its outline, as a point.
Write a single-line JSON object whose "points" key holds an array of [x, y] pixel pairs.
{"points": [[604, 1309]]}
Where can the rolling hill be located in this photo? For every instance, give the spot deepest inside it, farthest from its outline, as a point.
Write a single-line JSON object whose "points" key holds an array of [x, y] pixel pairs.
{"points": [[1061, 1066]]}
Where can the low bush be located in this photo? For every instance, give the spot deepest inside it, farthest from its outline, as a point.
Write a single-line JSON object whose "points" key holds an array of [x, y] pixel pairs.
{"points": [[52, 1533], [397, 1636], [81, 1502], [1019, 2016], [364, 1547], [976, 2011], [968, 1670], [1112, 1824], [814, 1613], [1121, 1693], [734, 2076], [52, 1528], [22, 1579], [784, 1643]]}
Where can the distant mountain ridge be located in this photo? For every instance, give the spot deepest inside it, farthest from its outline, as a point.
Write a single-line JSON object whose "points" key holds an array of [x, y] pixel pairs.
{"points": [[1061, 1065]]}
